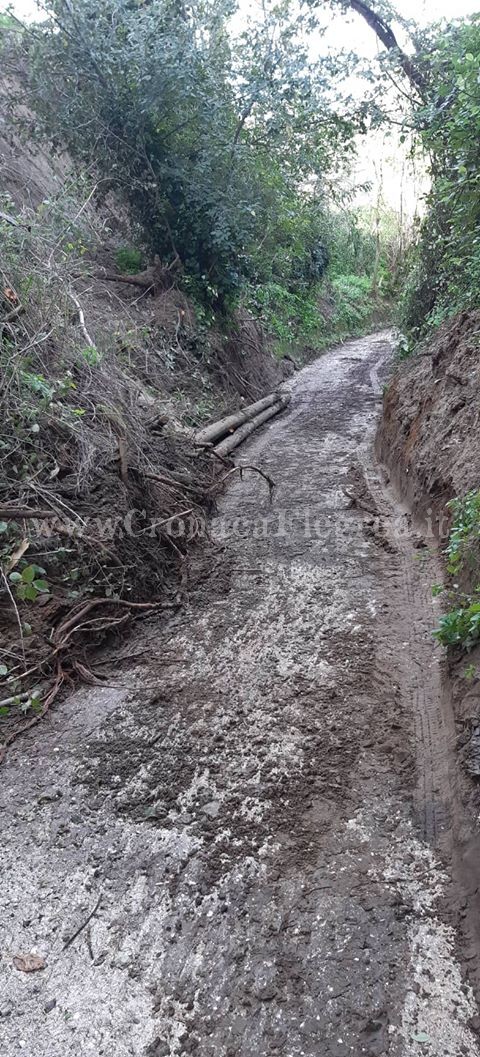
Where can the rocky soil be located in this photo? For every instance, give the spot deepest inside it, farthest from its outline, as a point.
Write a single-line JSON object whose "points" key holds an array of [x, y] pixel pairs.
{"points": [[246, 843]]}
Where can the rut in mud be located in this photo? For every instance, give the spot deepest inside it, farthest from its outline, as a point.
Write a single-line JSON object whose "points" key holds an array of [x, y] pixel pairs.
{"points": [[267, 814]]}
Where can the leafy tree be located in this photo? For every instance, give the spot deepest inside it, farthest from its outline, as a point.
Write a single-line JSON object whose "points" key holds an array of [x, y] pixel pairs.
{"points": [[445, 265], [443, 78], [217, 149]]}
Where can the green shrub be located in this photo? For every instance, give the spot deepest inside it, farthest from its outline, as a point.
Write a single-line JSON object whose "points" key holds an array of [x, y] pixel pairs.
{"points": [[213, 143], [129, 260], [290, 317], [444, 274], [465, 531], [353, 304], [460, 627]]}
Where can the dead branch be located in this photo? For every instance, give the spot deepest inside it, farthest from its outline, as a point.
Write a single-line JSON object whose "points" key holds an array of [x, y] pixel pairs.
{"points": [[17, 555], [14, 222], [166, 521], [84, 924], [156, 277], [172, 482], [78, 614], [385, 33], [215, 455], [96, 624], [13, 700], [86, 674], [254, 469], [17, 615], [81, 319], [52, 693], [122, 454], [13, 315], [16, 513]]}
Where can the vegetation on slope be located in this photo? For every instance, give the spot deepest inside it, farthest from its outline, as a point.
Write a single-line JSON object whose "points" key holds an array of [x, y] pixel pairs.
{"points": [[229, 149], [444, 268], [442, 280], [186, 231]]}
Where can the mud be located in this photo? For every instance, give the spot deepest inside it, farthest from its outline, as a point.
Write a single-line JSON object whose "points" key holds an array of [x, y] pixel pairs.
{"points": [[428, 439], [266, 805]]}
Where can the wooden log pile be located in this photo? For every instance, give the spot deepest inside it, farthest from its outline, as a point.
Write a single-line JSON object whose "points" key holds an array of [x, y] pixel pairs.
{"points": [[226, 434]]}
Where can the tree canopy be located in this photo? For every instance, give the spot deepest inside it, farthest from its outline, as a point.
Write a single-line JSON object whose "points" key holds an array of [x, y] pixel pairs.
{"points": [[222, 152]]}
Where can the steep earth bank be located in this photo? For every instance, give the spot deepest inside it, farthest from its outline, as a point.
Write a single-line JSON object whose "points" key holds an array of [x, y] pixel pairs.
{"points": [[428, 438], [428, 435], [243, 845]]}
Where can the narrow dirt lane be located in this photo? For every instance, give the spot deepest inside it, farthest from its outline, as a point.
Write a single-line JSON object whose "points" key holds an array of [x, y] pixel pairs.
{"points": [[267, 816]]}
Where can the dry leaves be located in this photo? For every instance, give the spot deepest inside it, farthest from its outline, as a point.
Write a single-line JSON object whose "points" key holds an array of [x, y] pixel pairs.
{"points": [[28, 963]]}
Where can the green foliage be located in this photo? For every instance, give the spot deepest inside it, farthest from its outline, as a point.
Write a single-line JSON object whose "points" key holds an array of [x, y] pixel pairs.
{"points": [[353, 303], [465, 532], [339, 304], [218, 146], [129, 260], [288, 316], [8, 24], [444, 266], [91, 355], [28, 583], [297, 320], [461, 625]]}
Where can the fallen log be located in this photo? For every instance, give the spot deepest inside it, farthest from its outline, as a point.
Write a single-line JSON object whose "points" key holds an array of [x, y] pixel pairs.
{"points": [[219, 429], [20, 512], [228, 445]]}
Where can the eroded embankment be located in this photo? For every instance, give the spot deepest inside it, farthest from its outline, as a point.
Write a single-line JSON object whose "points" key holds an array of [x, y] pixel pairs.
{"points": [[428, 438], [429, 432], [249, 829]]}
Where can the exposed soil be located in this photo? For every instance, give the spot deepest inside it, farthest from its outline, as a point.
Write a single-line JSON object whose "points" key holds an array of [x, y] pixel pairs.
{"points": [[429, 431], [265, 799], [428, 438]]}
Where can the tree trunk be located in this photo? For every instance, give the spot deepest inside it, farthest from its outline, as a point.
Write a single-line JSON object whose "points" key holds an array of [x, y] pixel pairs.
{"points": [[219, 429]]}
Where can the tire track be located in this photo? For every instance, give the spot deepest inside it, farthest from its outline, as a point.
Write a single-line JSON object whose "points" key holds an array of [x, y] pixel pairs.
{"points": [[418, 658]]}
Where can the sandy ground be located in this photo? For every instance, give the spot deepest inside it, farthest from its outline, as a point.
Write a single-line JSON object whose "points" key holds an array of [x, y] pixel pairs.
{"points": [[259, 808]]}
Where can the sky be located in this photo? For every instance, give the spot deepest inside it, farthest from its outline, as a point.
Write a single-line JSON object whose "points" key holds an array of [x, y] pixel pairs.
{"points": [[356, 35], [354, 32]]}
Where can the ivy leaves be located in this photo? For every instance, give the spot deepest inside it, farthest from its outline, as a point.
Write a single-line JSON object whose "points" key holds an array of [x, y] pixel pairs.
{"points": [[29, 584]]}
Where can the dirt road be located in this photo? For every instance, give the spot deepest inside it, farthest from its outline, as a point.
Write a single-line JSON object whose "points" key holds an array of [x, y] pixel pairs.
{"points": [[266, 817]]}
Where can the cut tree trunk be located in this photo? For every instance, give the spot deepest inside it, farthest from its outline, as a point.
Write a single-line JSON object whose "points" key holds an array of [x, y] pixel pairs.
{"points": [[219, 429], [244, 431]]}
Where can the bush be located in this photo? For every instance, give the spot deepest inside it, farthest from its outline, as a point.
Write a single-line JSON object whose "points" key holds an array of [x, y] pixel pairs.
{"points": [[462, 550], [445, 266], [354, 305], [215, 153], [461, 625], [129, 260]]}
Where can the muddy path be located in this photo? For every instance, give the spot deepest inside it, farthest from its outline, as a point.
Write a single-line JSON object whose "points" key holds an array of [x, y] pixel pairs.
{"points": [[262, 800]]}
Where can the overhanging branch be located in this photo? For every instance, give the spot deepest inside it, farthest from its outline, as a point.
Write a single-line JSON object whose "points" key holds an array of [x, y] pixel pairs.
{"points": [[386, 35]]}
